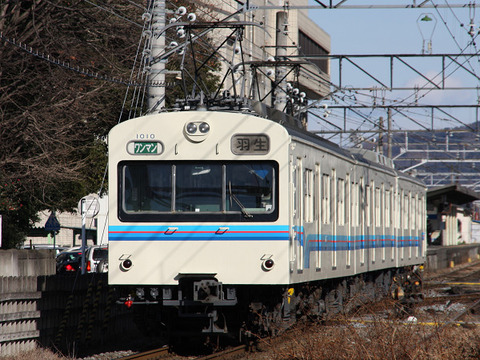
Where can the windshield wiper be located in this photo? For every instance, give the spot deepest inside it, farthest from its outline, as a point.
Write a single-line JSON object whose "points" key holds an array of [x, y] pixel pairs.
{"points": [[238, 202]]}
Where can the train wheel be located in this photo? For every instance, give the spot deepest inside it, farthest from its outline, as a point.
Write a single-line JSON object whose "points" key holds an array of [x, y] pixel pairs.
{"points": [[334, 302]]}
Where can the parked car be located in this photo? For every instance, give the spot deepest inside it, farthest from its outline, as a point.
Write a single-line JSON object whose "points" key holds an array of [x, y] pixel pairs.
{"points": [[97, 258], [69, 261]]}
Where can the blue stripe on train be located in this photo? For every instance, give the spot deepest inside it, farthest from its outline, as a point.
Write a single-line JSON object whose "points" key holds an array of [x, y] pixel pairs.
{"points": [[314, 242], [198, 233], [319, 242]]}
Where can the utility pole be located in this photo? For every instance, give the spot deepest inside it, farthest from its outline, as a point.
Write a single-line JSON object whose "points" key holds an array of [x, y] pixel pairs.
{"points": [[156, 93], [389, 133], [281, 53], [380, 135]]}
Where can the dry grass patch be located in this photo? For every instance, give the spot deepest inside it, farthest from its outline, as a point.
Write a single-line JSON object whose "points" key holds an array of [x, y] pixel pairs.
{"points": [[38, 354], [374, 338]]}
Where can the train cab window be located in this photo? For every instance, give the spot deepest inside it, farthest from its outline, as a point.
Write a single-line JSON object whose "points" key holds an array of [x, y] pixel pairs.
{"points": [[146, 187], [198, 187], [184, 190], [249, 187]]}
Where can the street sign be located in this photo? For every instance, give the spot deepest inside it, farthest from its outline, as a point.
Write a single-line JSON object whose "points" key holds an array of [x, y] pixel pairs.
{"points": [[89, 206], [52, 223]]}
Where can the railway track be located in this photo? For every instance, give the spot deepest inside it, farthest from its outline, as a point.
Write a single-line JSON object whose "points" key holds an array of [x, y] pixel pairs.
{"points": [[161, 353], [164, 353]]}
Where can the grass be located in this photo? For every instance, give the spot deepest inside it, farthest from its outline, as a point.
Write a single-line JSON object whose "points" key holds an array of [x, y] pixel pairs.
{"points": [[377, 338], [38, 354]]}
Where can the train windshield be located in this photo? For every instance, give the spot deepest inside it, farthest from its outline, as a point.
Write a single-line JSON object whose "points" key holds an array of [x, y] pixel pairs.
{"points": [[246, 188]]}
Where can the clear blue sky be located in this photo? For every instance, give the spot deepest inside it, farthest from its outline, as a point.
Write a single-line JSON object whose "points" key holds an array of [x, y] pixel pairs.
{"points": [[396, 31]]}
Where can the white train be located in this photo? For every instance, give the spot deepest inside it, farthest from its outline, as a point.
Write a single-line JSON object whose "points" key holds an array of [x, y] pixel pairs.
{"points": [[218, 218]]}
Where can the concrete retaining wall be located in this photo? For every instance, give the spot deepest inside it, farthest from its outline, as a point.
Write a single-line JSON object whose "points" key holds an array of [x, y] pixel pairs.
{"points": [[79, 313], [18, 314], [442, 257], [27, 262], [70, 313], [19, 296]]}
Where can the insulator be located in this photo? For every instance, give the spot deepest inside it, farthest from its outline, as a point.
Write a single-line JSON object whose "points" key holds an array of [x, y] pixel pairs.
{"points": [[182, 10]]}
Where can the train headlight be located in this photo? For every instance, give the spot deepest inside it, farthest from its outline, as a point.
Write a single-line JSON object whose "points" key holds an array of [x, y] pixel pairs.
{"points": [[204, 128], [196, 131], [191, 128], [126, 265], [268, 264]]}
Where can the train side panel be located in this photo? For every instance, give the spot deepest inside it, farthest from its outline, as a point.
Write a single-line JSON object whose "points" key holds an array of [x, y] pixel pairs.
{"points": [[350, 216]]}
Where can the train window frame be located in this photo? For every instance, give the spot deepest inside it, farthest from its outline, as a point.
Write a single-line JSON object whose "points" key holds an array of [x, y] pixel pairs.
{"points": [[406, 211], [237, 215], [377, 202], [340, 193], [326, 199], [388, 208], [367, 206], [308, 195]]}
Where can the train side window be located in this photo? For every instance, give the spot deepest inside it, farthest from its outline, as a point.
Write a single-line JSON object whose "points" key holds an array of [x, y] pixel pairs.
{"points": [[316, 192], [406, 211], [348, 199], [308, 194], [341, 201], [388, 213], [367, 205], [415, 211], [378, 214], [326, 198], [355, 206]]}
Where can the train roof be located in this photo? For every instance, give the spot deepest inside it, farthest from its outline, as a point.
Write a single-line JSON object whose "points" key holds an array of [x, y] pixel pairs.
{"points": [[358, 155]]}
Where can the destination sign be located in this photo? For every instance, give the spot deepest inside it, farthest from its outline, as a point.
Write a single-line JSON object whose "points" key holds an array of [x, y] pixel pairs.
{"points": [[144, 147], [250, 144]]}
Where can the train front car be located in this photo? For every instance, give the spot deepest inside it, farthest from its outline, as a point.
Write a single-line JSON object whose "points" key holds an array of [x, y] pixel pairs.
{"points": [[198, 216]]}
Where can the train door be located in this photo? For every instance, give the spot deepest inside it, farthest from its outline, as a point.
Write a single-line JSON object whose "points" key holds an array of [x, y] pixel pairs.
{"points": [[403, 223], [316, 216], [389, 226], [367, 224], [308, 215], [355, 221], [377, 223], [397, 223], [297, 226], [347, 205], [292, 210], [423, 227], [342, 219], [334, 204]]}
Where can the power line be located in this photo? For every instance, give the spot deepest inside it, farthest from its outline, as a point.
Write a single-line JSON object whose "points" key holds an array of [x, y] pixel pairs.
{"points": [[77, 69]]}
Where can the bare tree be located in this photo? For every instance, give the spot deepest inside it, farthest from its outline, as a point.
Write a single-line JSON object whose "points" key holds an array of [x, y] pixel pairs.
{"points": [[63, 71]]}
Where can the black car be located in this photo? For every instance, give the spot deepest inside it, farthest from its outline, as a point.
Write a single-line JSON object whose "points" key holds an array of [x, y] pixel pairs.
{"points": [[69, 262]]}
